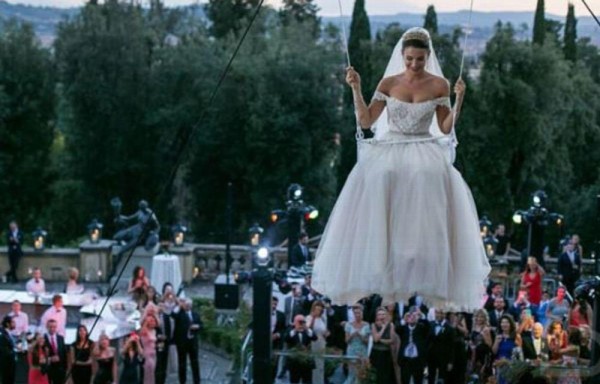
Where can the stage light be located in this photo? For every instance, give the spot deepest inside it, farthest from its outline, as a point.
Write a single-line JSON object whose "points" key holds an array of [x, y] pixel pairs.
{"points": [[518, 217], [262, 256], [294, 192], [310, 213], [539, 198], [485, 226]]}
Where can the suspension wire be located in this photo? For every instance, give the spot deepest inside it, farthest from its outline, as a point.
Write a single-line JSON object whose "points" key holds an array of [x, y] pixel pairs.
{"points": [[345, 35], [464, 50], [591, 12], [181, 145]]}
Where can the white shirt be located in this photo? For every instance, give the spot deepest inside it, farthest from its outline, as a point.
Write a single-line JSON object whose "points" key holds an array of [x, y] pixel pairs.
{"points": [[21, 323], [60, 315], [537, 344], [38, 287]]}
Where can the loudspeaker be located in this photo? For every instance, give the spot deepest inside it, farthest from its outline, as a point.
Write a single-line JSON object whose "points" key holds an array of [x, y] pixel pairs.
{"points": [[227, 296]]}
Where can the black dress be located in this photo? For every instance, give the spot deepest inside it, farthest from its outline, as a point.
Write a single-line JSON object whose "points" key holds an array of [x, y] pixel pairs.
{"points": [[132, 369], [382, 360], [81, 374], [104, 375]]}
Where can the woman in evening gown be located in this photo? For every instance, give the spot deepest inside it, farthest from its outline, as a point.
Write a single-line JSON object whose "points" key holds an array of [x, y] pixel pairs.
{"points": [[405, 221]]}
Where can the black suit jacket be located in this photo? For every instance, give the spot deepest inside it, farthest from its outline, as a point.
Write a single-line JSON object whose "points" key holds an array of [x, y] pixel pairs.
{"points": [[419, 337], [292, 339], [7, 350], [298, 258], [280, 327], [61, 350], [14, 243], [182, 327], [495, 320], [568, 270], [441, 346], [529, 348]]}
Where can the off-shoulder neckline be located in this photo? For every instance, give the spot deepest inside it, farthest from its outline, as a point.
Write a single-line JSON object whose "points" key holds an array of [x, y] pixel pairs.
{"points": [[411, 102]]}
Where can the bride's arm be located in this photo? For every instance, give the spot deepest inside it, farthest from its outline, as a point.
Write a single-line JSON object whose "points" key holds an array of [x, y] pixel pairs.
{"points": [[446, 117], [367, 115]]}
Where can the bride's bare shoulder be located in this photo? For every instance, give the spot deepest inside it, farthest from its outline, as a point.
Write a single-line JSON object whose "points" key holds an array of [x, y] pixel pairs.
{"points": [[440, 85], [387, 83]]}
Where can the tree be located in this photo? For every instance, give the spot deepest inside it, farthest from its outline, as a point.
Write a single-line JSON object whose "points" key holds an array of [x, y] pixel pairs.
{"points": [[106, 56], [227, 16], [27, 103], [431, 23], [273, 123], [302, 11], [570, 36], [539, 23]]}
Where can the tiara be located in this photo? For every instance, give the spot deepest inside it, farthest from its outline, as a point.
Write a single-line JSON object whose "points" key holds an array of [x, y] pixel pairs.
{"points": [[416, 35]]}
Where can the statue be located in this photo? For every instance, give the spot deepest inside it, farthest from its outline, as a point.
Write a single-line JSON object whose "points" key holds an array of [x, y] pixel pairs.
{"points": [[131, 228]]}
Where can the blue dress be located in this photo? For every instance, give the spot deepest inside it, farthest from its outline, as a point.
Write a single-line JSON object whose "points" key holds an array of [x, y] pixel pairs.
{"points": [[356, 348], [505, 350]]}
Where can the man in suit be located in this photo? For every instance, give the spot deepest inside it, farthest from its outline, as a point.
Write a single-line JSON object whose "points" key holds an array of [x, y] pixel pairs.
{"points": [[412, 355], [187, 326], [294, 304], [441, 348], [569, 267], [535, 347], [57, 353], [496, 290], [299, 339], [8, 357], [278, 327], [300, 252], [496, 313], [14, 239]]}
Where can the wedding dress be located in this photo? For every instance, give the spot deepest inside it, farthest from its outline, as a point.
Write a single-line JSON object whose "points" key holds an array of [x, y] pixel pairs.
{"points": [[405, 221]]}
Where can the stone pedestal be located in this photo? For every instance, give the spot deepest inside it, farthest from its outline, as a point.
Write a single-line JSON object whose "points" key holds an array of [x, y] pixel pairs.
{"points": [[95, 260], [186, 261]]}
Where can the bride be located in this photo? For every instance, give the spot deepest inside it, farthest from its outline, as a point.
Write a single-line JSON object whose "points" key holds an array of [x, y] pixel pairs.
{"points": [[405, 221]]}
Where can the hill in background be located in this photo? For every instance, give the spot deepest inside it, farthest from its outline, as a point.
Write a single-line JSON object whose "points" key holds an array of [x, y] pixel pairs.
{"points": [[46, 19]]}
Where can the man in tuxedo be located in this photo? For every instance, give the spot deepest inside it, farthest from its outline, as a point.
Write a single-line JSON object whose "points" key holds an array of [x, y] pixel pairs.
{"points": [[57, 353], [441, 348], [299, 339], [412, 355], [496, 290], [300, 252], [496, 313], [14, 239], [8, 357], [278, 327], [535, 347], [569, 267], [187, 326], [294, 304]]}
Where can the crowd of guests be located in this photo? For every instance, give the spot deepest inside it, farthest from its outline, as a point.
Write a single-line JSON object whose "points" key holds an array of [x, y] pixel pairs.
{"points": [[404, 341], [166, 341]]}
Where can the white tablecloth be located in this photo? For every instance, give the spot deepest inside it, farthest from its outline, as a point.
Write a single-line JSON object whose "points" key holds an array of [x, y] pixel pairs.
{"points": [[165, 268]]}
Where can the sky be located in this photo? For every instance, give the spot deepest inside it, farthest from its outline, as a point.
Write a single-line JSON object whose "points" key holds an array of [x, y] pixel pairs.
{"points": [[382, 7]]}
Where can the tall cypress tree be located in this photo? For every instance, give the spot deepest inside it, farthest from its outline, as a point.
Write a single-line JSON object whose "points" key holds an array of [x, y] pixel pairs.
{"points": [[570, 37], [431, 23], [539, 23], [359, 40]]}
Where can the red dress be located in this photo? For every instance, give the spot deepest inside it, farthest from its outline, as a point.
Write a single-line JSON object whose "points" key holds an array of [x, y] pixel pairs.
{"points": [[35, 373], [535, 289]]}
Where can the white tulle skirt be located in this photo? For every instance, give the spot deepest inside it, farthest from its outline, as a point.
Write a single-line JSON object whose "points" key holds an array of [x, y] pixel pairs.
{"points": [[404, 223]]}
